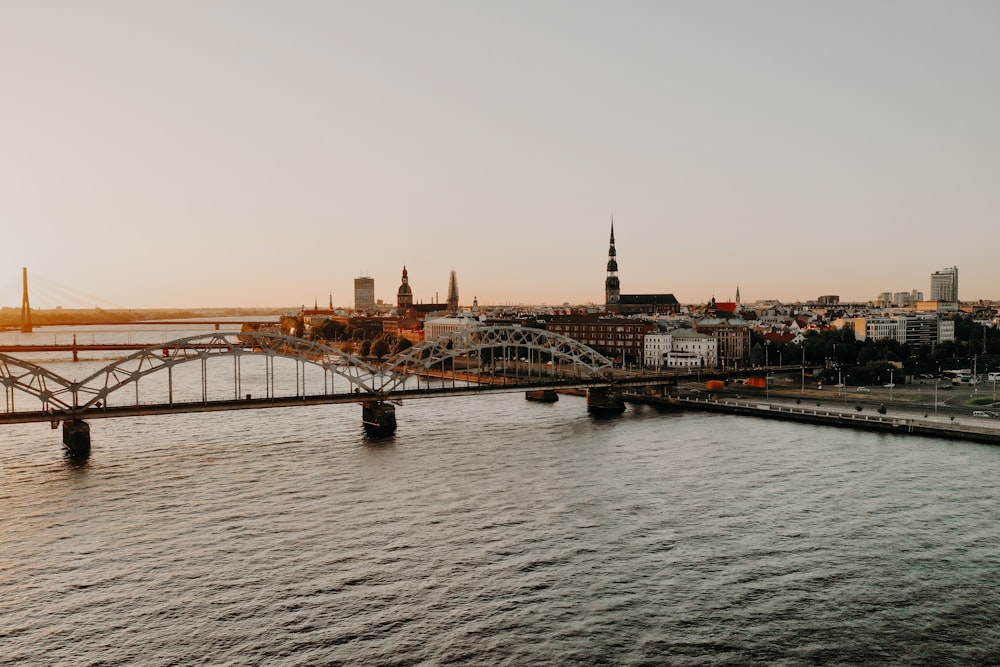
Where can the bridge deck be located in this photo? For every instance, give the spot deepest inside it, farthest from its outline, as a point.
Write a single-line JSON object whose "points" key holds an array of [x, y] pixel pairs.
{"points": [[142, 409]]}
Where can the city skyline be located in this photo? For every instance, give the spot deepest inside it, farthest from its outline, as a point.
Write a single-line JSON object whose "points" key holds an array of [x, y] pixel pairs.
{"points": [[178, 155]]}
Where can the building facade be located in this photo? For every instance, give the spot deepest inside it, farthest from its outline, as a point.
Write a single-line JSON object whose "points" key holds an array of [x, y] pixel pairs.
{"points": [[732, 340], [441, 326], [681, 348], [944, 285], [615, 337], [906, 329], [364, 293]]}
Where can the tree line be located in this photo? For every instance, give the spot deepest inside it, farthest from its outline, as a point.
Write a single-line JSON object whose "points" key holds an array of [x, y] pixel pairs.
{"points": [[869, 361]]}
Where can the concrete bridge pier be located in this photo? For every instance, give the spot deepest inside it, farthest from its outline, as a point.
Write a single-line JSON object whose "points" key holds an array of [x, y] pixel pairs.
{"points": [[378, 417], [76, 437], [605, 401]]}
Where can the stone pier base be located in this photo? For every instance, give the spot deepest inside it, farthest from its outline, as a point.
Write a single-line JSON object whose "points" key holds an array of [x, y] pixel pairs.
{"points": [[605, 401], [76, 437], [378, 417]]}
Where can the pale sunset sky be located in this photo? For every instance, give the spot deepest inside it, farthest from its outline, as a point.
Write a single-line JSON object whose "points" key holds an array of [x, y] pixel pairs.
{"points": [[193, 153]]}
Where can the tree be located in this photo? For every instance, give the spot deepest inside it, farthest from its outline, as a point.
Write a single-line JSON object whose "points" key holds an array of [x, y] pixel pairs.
{"points": [[329, 330], [379, 348], [402, 344]]}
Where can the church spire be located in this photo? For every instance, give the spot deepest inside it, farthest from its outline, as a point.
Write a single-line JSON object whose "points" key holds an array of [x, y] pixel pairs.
{"points": [[453, 293], [612, 288]]}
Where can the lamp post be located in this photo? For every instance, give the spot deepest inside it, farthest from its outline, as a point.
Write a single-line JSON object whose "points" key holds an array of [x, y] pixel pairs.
{"points": [[891, 384], [803, 370], [994, 404]]}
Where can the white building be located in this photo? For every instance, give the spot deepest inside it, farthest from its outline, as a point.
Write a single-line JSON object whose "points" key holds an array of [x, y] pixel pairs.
{"points": [[680, 348], [914, 329], [442, 326]]}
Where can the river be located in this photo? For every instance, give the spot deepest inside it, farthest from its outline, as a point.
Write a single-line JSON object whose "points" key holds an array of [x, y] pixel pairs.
{"points": [[492, 530]]}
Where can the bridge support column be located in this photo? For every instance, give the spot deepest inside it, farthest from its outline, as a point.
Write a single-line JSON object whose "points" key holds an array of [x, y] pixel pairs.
{"points": [[76, 437], [378, 417], [542, 395], [605, 401]]}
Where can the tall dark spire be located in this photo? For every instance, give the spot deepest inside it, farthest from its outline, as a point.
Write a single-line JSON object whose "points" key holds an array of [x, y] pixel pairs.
{"points": [[612, 288], [453, 293]]}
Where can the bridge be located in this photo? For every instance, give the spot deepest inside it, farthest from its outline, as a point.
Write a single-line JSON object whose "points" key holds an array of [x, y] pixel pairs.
{"points": [[237, 371]]}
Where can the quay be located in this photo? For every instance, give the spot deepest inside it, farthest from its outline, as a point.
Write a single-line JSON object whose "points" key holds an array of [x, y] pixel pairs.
{"points": [[896, 422]]}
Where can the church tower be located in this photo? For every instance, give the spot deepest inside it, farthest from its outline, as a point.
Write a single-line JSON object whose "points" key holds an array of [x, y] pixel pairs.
{"points": [[404, 297], [612, 289], [453, 293]]}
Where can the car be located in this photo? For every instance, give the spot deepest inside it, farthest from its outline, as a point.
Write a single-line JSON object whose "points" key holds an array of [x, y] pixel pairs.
{"points": [[981, 413], [889, 385], [864, 390]]}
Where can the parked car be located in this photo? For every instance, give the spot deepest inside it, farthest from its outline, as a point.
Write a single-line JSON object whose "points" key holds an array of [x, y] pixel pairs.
{"points": [[864, 390]]}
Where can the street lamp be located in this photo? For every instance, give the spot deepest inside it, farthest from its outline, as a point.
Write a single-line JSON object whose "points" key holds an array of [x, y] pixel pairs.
{"points": [[803, 370]]}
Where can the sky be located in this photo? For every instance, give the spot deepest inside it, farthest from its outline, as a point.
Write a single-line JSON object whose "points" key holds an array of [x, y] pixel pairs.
{"points": [[192, 153]]}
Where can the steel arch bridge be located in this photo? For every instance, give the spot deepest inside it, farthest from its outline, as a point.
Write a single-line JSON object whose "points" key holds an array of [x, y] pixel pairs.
{"points": [[499, 346], [496, 345], [57, 393]]}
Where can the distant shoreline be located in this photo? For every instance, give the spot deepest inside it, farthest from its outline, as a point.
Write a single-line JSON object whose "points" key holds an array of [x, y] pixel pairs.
{"points": [[10, 318]]}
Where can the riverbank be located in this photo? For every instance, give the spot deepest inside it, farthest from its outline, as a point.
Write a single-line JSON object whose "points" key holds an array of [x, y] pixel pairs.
{"points": [[971, 429]]}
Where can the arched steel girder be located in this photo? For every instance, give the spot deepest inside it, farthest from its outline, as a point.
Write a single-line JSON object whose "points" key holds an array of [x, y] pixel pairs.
{"points": [[429, 353], [17, 374], [59, 393]]}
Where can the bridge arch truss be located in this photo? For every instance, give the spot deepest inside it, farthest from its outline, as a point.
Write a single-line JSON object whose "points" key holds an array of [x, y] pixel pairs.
{"points": [[57, 393], [498, 346]]}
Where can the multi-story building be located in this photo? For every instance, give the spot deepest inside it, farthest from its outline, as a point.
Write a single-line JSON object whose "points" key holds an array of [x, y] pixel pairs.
{"points": [[616, 337], [680, 348], [732, 339], [944, 285], [925, 330], [364, 293], [907, 329], [440, 326]]}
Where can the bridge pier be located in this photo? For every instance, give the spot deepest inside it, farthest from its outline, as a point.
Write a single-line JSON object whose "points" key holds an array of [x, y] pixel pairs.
{"points": [[605, 401], [542, 395], [76, 437], [378, 417]]}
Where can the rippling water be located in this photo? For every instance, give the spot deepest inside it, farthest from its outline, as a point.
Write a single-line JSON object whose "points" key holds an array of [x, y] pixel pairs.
{"points": [[491, 530]]}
